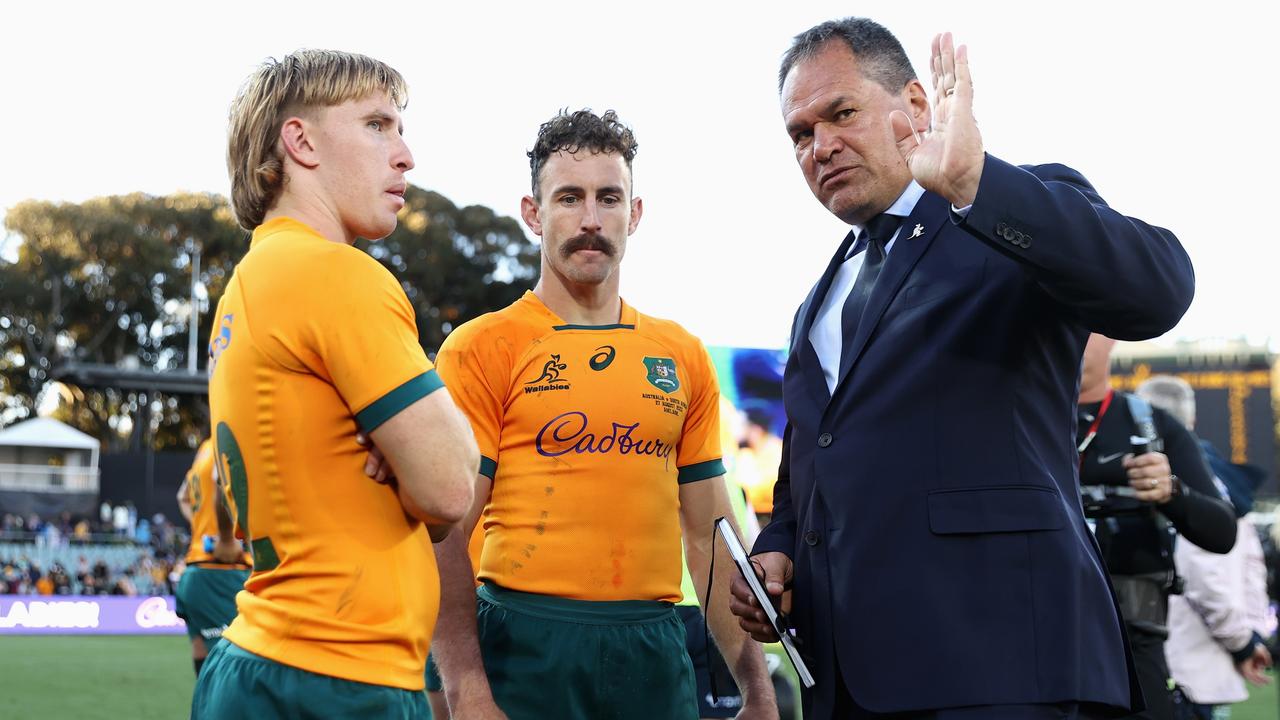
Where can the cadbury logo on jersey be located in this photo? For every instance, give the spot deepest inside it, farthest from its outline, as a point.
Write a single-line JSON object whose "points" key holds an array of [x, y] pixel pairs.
{"points": [[567, 433]]}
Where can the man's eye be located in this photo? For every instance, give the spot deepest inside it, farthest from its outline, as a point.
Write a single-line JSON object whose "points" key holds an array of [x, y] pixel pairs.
{"points": [[845, 114], [801, 137], [569, 200], [609, 200], [376, 125]]}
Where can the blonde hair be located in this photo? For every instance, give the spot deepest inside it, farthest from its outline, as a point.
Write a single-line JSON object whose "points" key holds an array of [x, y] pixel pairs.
{"points": [[303, 80]]}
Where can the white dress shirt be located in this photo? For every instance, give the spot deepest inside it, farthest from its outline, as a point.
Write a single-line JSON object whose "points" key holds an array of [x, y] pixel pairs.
{"points": [[827, 332]]}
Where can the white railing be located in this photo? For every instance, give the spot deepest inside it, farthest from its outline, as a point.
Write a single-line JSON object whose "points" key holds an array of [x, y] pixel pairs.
{"points": [[48, 478]]}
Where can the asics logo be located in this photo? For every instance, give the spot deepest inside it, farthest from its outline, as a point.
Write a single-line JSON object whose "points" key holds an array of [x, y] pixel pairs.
{"points": [[602, 358]]}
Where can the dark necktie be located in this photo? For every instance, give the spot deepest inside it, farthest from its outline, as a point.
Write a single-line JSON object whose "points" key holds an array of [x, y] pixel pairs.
{"points": [[878, 231]]}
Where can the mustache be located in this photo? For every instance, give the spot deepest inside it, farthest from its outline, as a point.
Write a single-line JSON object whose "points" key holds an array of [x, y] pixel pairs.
{"points": [[587, 241]]}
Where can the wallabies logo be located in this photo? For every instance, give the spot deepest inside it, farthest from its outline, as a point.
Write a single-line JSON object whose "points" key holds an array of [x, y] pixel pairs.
{"points": [[550, 378], [662, 374]]}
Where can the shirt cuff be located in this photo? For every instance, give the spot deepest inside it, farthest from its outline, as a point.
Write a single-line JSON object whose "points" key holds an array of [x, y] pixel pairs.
{"points": [[1246, 652]]}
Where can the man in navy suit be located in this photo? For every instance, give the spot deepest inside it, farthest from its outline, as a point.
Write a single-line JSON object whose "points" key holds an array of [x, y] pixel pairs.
{"points": [[926, 515]]}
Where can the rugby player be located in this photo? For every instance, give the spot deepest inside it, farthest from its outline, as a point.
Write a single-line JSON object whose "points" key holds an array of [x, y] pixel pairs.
{"points": [[216, 564], [598, 429], [314, 341]]}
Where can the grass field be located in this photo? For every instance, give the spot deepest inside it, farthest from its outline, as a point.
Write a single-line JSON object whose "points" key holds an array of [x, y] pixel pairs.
{"points": [[1262, 705], [146, 678], [102, 677]]}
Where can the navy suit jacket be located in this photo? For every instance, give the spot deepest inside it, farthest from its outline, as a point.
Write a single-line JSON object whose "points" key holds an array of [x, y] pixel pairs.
{"points": [[930, 505]]}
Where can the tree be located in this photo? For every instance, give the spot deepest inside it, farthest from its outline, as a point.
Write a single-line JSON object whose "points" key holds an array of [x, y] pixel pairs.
{"points": [[108, 281], [455, 264]]}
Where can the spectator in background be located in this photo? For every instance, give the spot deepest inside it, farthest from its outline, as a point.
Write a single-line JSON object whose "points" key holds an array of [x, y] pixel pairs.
{"points": [[1215, 626], [124, 584], [142, 535], [49, 535], [61, 581], [105, 514], [44, 585], [175, 574], [160, 578], [8, 578], [758, 457], [120, 520]]}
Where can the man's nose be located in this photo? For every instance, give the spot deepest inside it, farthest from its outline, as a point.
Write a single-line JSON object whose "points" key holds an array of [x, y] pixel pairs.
{"points": [[826, 142], [402, 158], [590, 221]]}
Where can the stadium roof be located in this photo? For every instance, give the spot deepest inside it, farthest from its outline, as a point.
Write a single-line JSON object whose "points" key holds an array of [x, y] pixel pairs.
{"points": [[97, 375], [47, 432]]}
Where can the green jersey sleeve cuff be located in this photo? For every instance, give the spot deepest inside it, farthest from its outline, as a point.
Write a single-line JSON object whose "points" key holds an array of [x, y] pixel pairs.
{"points": [[488, 467], [408, 393], [700, 471]]}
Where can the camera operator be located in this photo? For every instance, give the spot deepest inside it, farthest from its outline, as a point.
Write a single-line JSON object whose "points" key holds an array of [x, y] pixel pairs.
{"points": [[1142, 481]]}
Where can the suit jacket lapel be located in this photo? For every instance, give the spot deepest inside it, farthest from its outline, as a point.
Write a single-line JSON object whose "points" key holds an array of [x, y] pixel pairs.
{"points": [[806, 356], [930, 214]]}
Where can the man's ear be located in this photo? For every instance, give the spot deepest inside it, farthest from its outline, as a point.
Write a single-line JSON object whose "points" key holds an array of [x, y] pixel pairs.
{"points": [[296, 138], [531, 213], [637, 209], [918, 106]]}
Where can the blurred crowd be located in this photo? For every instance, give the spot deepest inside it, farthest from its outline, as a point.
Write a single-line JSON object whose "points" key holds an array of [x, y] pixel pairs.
{"points": [[116, 553]]}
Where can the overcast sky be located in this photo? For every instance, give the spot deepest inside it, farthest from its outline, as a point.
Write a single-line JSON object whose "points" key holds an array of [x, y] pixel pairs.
{"points": [[1171, 114]]}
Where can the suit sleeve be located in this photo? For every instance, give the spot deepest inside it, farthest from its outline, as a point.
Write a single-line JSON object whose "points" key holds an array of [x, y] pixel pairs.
{"points": [[780, 534], [1113, 274]]}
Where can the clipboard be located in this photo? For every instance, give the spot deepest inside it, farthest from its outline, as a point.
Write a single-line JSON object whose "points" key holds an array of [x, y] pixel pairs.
{"points": [[739, 555]]}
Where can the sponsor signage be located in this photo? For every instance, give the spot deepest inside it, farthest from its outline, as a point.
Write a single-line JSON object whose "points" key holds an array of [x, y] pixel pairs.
{"points": [[88, 615]]}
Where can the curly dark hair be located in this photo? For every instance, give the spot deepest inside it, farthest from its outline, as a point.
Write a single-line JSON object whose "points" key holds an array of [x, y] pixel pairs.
{"points": [[578, 130], [880, 56]]}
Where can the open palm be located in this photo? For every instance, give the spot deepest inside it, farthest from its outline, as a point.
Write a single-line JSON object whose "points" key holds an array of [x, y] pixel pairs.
{"points": [[948, 158]]}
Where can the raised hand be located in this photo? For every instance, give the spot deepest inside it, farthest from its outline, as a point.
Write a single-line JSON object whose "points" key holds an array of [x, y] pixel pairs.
{"points": [[948, 158]]}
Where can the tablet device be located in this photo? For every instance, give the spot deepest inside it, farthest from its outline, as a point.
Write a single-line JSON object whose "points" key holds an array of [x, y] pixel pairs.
{"points": [[739, 555]]}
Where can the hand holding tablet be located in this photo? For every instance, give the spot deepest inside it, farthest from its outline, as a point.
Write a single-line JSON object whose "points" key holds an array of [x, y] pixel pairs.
{"points": [[776, 619]]}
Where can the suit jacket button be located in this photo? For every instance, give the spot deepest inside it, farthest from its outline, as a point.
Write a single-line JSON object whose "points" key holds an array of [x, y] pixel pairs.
{"points": [[824, 440], [1008, 233], [811, 538]]}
